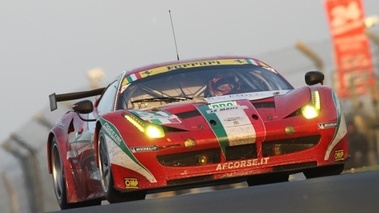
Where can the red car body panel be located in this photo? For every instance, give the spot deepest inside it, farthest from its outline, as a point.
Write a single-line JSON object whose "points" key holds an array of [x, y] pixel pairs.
{"points": [[283, 141], [225, 168]]}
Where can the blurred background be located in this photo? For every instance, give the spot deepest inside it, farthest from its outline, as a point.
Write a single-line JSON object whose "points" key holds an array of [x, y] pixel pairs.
{"points": [[67, 46]]}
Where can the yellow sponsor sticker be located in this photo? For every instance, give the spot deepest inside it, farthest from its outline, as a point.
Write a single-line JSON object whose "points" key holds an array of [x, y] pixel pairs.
{"points": [[338, 155], [193, 64], [131, 183]]}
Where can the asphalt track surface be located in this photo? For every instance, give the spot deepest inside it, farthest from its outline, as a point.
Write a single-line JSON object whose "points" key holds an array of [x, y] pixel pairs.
{"points": [[347, 193]]}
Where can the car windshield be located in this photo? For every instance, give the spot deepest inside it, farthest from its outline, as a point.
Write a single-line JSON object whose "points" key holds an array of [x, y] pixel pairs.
{"points": [[188, 84]]}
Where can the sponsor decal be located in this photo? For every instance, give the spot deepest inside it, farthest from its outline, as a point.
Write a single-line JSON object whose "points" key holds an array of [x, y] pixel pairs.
{"points": [[120, 154], [144, 149], [60, 124], [224, 109], [341, 129], [193, 64], [230, 128], [112, 134], [243, 96], [264, 65], [338, 155], [202, 63], [233, 120], [327, 125], [157, 117], [131, 183], [132, 77], [233, 174], [242, 164], [223, 105]]}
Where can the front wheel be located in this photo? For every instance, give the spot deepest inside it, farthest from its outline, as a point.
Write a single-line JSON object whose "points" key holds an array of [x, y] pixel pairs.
{"points": [[107, 182]]}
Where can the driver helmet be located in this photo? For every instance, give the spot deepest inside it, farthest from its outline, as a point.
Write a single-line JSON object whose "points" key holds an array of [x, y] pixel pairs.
{"points": [[223, 85]]}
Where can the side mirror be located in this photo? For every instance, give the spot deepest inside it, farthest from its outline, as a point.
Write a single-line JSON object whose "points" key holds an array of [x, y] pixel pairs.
{"points": [[83, 107], [314, 77]]}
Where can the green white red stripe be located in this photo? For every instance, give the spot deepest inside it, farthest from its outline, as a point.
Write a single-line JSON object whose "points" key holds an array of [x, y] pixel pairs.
{"points": [[120, 154], [230, 123]]}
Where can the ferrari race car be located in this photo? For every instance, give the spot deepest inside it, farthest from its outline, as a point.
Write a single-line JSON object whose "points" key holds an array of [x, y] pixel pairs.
{"points": [[193, 123]]}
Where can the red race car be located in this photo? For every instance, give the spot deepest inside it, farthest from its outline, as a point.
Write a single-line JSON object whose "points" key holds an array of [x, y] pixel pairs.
{"points": [[193, 123]]}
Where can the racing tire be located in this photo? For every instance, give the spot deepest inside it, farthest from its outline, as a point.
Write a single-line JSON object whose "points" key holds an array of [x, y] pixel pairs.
{"points": [[111, 194], [267, 179], [324, 171], [59, 181]]}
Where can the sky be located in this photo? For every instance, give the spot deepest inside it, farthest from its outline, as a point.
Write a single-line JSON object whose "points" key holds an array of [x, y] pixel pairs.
{"points": [[49, 46]]}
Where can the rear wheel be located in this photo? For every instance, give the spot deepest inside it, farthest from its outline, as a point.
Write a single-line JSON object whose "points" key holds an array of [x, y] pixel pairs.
{"points": [[107, 182], [59, 181], [324, 171]]}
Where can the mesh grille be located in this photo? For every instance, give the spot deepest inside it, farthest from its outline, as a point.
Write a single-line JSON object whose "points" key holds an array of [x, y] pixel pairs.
{"points": [[190, 158], [241, 152], [287, 146]]}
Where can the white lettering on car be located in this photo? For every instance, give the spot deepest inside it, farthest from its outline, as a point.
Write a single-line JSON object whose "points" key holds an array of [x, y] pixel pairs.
{"points": [[242, 164], [112, 134]]}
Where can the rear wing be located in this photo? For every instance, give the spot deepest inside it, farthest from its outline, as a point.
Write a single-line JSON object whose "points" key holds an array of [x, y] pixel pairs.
{"points": [[54, 98]]}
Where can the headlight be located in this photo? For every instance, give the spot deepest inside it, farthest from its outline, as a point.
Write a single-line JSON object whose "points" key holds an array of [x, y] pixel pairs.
{"points": [[312, 109], [154, 131], [149, 129], [309, 111]]}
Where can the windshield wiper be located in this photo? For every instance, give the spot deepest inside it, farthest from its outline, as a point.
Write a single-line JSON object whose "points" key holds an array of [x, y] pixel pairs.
{"points": [[165, 99]]}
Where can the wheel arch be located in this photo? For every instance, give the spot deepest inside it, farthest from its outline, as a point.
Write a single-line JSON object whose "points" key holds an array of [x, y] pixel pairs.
{"points": [[50, 138], [95, 142]]}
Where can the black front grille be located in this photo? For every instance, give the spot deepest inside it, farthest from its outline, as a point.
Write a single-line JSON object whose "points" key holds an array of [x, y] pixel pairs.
{"points": [[287, 146], [188, 114], [241, 152], [190, 158], [295, 166], [192, 180], [264, 105]]}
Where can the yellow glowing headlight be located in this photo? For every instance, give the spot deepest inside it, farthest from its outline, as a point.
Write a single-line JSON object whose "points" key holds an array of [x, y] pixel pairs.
{"points": [[149, 129], [309, 112], [312, 109], [154, 131]]}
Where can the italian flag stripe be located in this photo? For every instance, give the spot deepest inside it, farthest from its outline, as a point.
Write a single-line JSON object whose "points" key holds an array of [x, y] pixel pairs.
{"points": [[130, 161], [218, 129]]}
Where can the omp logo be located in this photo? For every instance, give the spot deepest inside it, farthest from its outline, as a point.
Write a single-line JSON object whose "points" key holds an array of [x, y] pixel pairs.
{"points": [[338, 155], [112, 134], [131, 183]]}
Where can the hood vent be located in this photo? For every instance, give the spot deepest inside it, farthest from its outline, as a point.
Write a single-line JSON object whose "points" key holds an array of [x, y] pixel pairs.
{"points": [[264, 105], [188, 114]]}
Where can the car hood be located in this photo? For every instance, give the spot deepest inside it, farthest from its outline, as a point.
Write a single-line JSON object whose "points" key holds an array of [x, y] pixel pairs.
{"points": [[263, 106]]}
